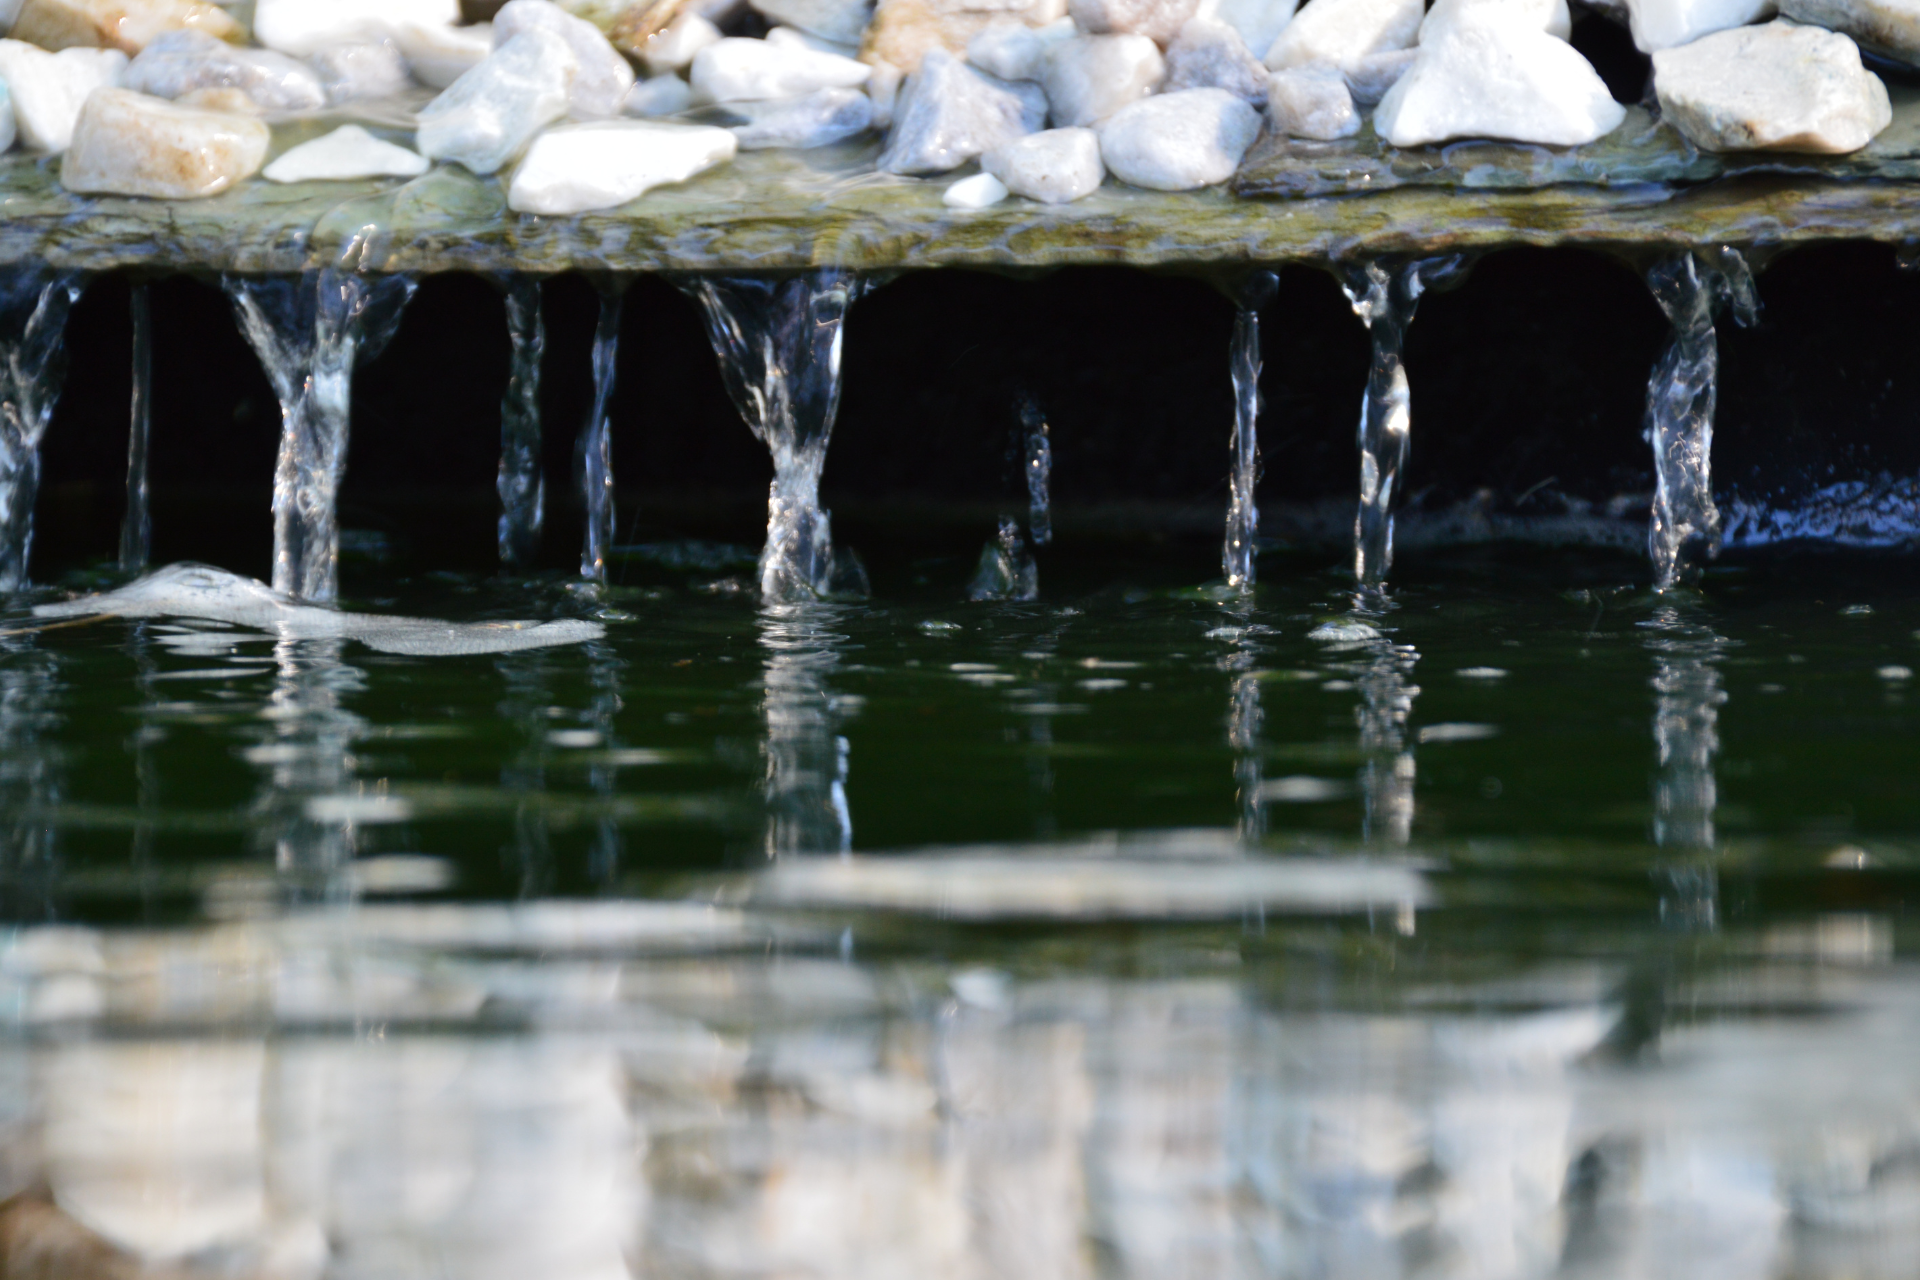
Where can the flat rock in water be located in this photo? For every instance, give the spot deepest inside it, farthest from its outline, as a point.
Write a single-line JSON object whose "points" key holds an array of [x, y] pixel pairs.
{"points": [[740, 70], [181, 62], [1091, 77], [438, 55], [903, 31], [126, 25], [1054, 167], [1179, 141], [1158, 20], [128, 144], [1502, 79], [949, 113], [581, 168], [841, 21], [356, 72], [48, 89], [604, 78], [1211, 55], [212, 595], [820, 118], [347, 152], [1777, 87], [1311, 103], [1668, 24], [1015, 51], [672, 49], [490, 114], [1889, 27], [1341, 33], [1259, 22], [304, 27]]}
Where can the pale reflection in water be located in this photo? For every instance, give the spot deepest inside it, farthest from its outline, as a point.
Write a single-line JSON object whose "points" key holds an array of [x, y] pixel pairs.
{"points": [[1686, 733], [806, 755], [31, 693], [308, 806]]}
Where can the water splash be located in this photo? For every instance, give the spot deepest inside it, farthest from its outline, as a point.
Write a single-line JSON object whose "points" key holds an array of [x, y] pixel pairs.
{"points": [[1385, 300], [1243, 512], [806, 782], [309, 331], [1039, 471], [778, 339], [1007, 570], [523, 480], [596, 439], [1691, 288], [34, 304], [1689, 693], [136, 532], [1883, 511]]}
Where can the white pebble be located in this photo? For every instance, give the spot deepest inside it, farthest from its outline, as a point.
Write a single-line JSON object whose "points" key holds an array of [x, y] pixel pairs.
{"points": [[977, 192], [348, 152], [583, 167]]}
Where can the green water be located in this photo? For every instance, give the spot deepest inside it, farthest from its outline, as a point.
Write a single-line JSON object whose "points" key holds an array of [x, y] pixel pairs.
{"points": [[1530, 923]]}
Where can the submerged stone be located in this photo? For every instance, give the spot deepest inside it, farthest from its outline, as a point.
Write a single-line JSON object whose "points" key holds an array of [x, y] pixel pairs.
{"points": [[1179, 141], [1015, 51], [581, 168], [1312, 103], [439, 55], [739, 70], [490, 114], [1502, 79], [347, 152], [48, 89], [305, 27], [663, 95], [1668, 24], [1889, 27], [978, 192], [603, 79], [841, 21], [1259, 22], [1054, 167], [128, 144], [354, 72], [1777, 87], [950, 113], [1091, 77], [827, 116], [1211, 55], [180, 62], [126, 25], [1158, 20], [1341, 33], [673, 48]]}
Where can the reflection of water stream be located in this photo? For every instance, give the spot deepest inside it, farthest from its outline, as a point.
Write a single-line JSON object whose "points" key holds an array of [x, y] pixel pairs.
{"points": [[1686, 731], [1387, 692], [30, 777], [305, 802], [806, 756]]}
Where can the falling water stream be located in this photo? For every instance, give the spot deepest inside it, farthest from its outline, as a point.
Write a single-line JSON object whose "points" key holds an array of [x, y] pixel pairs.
{"points": [[34, 304], [1691, 288], [596, 438], [778, 340], [1243, 510], [309, 331], [1039, 471], [136, 532], [523, 480]]}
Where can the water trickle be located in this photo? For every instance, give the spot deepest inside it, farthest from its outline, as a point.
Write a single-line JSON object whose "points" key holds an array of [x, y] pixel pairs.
{"points": [[34, 304], [1039, 472], [137, 530], [308, 332], [1385, 301], [596, 439], [1243, 512], [1686, 732], [1007, 570], [778, 340], [523, 481], [1691, 288]]}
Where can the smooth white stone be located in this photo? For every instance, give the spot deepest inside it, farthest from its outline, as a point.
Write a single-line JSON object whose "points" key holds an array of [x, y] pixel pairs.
{"points": [[794, 38], [126, 25], [1016, 51], [1369, 79], [303, 27], [347, 152], [1668, 24], [49, 88], [8, 129], [579, 168], [1091, 77], [367, 69], [673, 48], [737, 70], [1158, 20], [1211, 55], [1778, 87], [440, 55], [1550, 16], [488, 115], [604, 78], [665, 95], [1891, 27], [1312, 103], [1179, 141], [180, 62], [1497, 79], [1342, 32], [1259, 22], [126, 143], [840, 21], [977, 192], [1054, 167], [948, 113], [826, 116]]}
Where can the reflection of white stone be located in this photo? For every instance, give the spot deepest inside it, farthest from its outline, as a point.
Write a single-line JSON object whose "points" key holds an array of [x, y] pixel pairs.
{"points": [[48, 88], [487, 116], [128, 144], [1179, 141], [347, 152], [1054, 167], [1497, 79], [1778, 87], [1342, 32], [583, 167], [736, 70], [603, 78], [1667, 24], [1091, 77], [302, 27]]}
